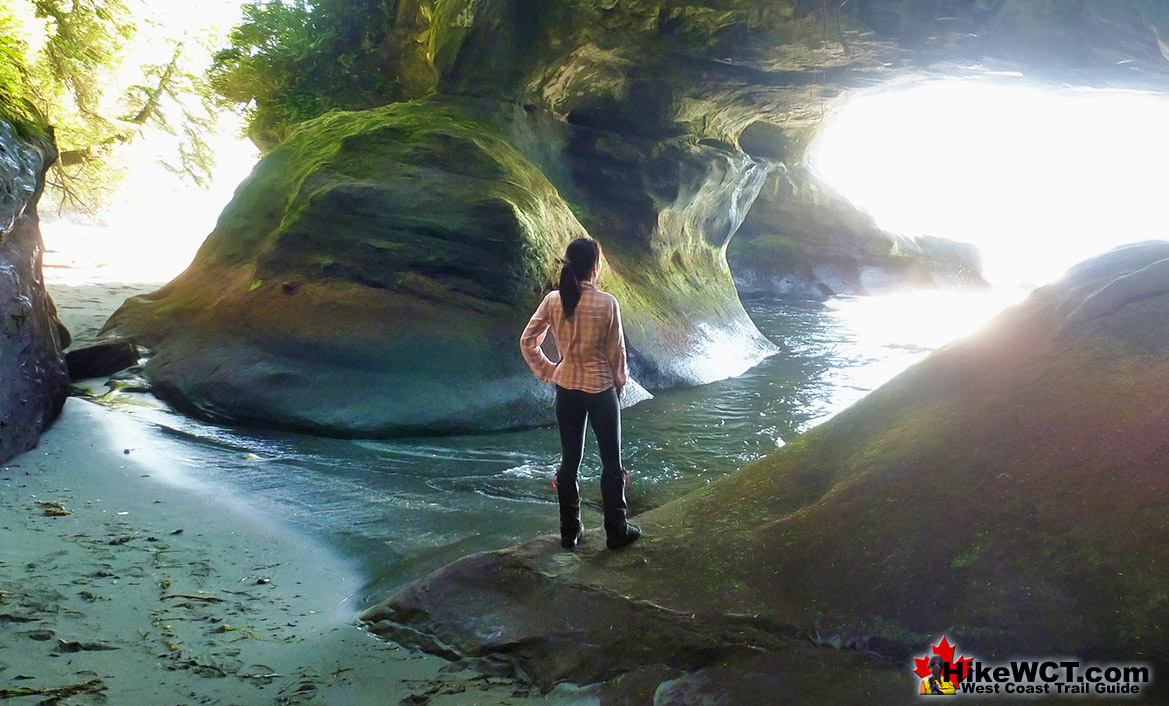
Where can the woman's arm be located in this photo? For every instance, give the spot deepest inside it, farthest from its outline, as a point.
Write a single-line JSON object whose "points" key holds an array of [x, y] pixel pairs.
{"points": [[531, 339]]}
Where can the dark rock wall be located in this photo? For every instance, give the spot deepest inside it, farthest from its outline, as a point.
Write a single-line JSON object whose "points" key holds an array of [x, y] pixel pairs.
{"points": [[760, 77], [664, 211], [33, 379]]}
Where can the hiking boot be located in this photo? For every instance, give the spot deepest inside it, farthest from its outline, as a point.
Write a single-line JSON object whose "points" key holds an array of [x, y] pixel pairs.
{"points": [[629, 536], [570, 538]]}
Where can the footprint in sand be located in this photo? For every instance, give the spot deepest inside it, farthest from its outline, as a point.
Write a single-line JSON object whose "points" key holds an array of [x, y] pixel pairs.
{"points": [[303, 693]]}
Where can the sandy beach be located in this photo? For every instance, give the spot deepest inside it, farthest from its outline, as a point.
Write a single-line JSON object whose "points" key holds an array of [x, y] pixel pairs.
{"points": [[123, 580]]}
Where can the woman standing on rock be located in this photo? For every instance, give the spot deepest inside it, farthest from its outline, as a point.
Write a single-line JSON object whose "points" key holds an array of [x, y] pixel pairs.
{"points": [[590, 376]]}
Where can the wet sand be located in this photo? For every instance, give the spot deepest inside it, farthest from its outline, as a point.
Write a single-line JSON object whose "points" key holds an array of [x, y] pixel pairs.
{"points": [[131, 584], [125, 581]]}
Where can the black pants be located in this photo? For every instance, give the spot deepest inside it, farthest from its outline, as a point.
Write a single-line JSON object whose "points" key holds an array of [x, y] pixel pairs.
{"points": [[574, 409]]}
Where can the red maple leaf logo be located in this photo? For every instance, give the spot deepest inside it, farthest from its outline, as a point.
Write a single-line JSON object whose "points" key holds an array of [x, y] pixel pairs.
{"points": [[945, 650]]}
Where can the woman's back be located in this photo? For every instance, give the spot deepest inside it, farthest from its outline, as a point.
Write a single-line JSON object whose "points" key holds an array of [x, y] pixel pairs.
{"points": [[591, 342], [588, 341]]}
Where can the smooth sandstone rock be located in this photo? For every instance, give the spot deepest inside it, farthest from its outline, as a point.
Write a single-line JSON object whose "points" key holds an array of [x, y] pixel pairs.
{"points": [[33, 380], [1009, 492], [373, 275]]}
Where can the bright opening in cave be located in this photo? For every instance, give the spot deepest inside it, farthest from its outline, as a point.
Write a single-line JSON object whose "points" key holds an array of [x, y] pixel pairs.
{"points": [[147, 227], [154, 223], [1039, 178]]}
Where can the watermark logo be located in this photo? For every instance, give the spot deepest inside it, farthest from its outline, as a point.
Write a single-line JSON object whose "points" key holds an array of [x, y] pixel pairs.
{"points": [[941, 674]]}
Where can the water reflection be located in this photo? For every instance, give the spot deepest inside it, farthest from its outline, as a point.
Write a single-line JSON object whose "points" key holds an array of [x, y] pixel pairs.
{"points": [[407, 506]]}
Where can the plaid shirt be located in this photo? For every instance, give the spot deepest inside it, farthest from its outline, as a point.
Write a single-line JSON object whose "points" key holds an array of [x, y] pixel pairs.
{"points": [[591, 343]]}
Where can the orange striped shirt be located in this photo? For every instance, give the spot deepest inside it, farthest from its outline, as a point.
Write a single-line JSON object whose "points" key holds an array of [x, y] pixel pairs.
{"points": [[591, 344]]}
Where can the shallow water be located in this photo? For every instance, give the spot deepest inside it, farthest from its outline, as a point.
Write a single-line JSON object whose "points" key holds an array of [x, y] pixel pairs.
{"points": [[404, 507]]}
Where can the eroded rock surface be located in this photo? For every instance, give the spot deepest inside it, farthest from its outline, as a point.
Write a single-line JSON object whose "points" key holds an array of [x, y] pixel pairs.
{"points": [[372, 276], [1008, 492], [33, 380], [369, 280]]}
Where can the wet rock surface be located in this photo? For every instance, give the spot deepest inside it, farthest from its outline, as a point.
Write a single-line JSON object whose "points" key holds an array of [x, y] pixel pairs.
{"points": [[1007, 492], [105, 358], [33, 380]]}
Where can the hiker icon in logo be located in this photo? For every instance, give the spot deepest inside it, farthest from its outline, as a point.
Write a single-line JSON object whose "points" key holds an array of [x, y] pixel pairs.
{"points": [[940, 673], [935, 683]]}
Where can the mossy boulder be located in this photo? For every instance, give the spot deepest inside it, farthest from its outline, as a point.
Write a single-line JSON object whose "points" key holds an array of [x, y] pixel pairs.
{"points": [[33, 379], [1008, 492], [373, 274], [370, 277]]}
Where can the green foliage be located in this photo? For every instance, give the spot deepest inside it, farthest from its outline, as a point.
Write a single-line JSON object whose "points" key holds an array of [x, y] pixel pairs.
{"points": [[16, 105], [292, 60], [82, 44], [63, 59], [175, 99], [80, 47]]}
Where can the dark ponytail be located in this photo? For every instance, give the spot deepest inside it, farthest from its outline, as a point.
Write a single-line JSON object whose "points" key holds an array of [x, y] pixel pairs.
{"points": [[579, 260]]}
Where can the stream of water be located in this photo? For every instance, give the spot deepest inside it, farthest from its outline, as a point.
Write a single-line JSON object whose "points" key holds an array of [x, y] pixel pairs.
{"points": [[404, 507]]}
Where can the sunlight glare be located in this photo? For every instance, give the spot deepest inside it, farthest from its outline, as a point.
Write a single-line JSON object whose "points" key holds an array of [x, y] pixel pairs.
{"points": [[151, 232], [156, 220], [1038, 178], [888, 333]]}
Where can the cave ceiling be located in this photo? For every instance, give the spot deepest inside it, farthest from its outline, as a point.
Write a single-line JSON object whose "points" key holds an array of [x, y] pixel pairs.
{"points": [[713, 68]]}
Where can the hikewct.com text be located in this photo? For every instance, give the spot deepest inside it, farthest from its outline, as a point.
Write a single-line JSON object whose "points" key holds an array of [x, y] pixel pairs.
{"points": [[1053, 676]]}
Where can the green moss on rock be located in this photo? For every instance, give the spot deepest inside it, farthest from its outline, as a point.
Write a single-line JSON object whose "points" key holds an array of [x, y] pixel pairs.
{"points": [[365, 280], [422, 207], [1008, 492]]}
